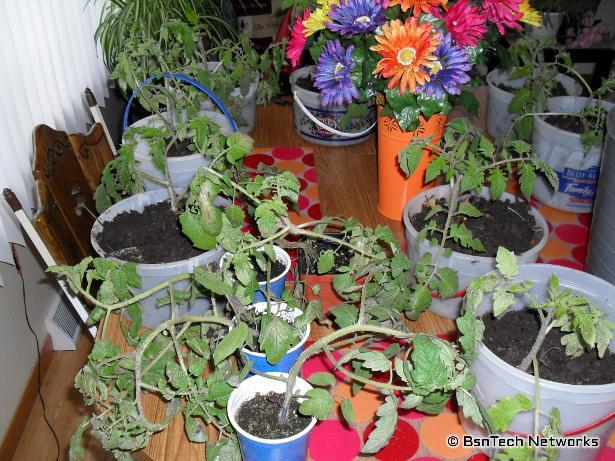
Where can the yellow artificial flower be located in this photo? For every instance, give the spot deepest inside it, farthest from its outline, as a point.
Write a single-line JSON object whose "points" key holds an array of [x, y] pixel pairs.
{"points": [[318, 17], [530, 15]]}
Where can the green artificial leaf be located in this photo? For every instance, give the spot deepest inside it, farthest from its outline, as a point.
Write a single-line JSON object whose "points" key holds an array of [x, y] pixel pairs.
{"points": [[318, 403], [506, 409], [506, 262], [234, 340], [276, 338], [347, 411], [326, 261], [385, 426], [321, 378]]}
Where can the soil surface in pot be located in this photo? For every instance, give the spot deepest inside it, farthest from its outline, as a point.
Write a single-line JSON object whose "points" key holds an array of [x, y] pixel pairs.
{"points": [[569, 123], [511, 337], [277, 268], [558, 90], [504, 223], [179, 148], [151, 237], [307, 258], [307, 83], [259, 417]]}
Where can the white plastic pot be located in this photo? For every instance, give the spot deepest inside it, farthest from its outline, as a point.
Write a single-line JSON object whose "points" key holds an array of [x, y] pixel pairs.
{"points": [[468, 267], [254, 448], [154, 274], [551, 23], [359, 129], [601, 247], [181, 169], [248, 103], [562, 150], [499, 119], [580, 405]]}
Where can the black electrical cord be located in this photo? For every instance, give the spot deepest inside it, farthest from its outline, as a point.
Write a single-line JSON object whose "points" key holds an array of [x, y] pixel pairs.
{"points": [[38, 351]]}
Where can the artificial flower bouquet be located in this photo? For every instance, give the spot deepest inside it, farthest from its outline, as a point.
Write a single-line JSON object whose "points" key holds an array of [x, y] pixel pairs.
{"points": [[411, 56]]}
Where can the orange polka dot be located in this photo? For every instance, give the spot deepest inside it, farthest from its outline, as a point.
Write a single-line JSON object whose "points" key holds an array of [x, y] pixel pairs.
{"points": [[435, 431], [612, 439], [312, 192], [365, 403], [555, 249], [298, 218], [555, 216], [294, 166]]}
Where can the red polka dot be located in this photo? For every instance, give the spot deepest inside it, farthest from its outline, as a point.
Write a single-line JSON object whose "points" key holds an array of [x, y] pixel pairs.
{"points": [[585, 219], [253, 160], [308, 159], [402, 446], [310, 175], [287, 153], [427, 458], [478, 457], [572, 233], [607, 454], [540, 260], [303, 183], [566, 263], [314, 211], [303, 202], [580, 253], [334, 440]]}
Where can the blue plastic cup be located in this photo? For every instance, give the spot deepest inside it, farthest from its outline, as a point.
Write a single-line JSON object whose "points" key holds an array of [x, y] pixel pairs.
{"points": [[259, 360], [254, 448], [276, 284]]}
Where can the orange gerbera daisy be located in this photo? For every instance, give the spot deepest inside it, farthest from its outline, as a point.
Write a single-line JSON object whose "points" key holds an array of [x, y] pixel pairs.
{"points": [[419, 6], [408, 53]]}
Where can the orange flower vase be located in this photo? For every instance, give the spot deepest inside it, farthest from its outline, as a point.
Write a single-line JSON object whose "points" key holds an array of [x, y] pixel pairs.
{"points": [[394, 188]]}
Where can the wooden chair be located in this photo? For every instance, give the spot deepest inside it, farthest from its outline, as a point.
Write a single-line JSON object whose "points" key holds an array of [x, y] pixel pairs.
{"points": [[93, 153], [64, 221]]}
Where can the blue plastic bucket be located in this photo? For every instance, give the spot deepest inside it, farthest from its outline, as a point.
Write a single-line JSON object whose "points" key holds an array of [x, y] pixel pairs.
{"points": [[255, 448], [259, 360]]}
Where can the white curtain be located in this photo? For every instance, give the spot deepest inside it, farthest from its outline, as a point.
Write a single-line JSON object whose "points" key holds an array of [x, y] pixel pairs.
{"points": [[48, 56]]}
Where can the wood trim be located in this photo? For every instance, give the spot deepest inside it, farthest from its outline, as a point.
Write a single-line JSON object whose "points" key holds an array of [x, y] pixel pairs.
{"points": [[29, 396]]}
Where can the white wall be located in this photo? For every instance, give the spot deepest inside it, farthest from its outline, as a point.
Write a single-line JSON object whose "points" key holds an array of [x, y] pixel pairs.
{"points": [[17, 347]]}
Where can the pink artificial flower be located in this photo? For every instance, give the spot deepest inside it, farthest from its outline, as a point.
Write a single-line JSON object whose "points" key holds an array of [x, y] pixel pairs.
{"points": [[503, 13], [296, 44], [466, 23], [383, 3]]}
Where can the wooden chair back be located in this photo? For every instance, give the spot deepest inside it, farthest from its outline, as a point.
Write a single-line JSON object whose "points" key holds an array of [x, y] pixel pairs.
{"points": [[93, 153]]}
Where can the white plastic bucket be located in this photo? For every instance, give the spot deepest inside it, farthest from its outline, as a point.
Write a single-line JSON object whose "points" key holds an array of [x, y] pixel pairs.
{"points": [[359, 129], [154, 274], [248, 103], [181, 169], [499, 119], [562, 150], [580, 405], [254, 448], [551, 23], [468, 267]]}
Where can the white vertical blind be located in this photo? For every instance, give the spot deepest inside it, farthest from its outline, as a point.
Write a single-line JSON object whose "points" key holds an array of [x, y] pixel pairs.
{"points": [[48, 56]]}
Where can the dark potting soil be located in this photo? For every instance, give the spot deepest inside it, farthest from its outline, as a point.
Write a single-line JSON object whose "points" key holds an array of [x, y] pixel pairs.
{"points": [[276, 269], [569, 123], [307, 260], [307, 83], [504, 223], [511, 337], [151, 237], [260, 417], [179, 148]]}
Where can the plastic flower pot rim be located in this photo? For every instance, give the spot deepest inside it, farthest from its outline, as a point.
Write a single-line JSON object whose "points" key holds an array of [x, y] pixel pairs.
{"points": [[236, 426], [502, 74], [540, 222], [540, 120], [304, 337]]}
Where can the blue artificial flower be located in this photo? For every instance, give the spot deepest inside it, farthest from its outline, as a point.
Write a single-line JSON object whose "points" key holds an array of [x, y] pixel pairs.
{"points": [[355, 17], [450, 72], [333, 75]]}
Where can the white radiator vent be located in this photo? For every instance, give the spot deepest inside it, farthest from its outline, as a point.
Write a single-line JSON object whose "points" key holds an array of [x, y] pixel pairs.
{"points": [[63, 326]]}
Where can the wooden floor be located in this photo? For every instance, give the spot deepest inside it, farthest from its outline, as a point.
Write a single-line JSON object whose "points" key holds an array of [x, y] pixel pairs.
{"points": [[354, 168]]}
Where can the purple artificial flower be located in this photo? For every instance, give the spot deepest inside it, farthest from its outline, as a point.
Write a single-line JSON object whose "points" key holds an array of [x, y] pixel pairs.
{"points": [[450, 72], [353, 17], [332, 76]]}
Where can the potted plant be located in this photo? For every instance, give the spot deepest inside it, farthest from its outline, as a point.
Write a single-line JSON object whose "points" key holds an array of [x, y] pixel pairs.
{"points": [[569, 136], [421, 55], [525, 83], [464, 220], [555, 323]]}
